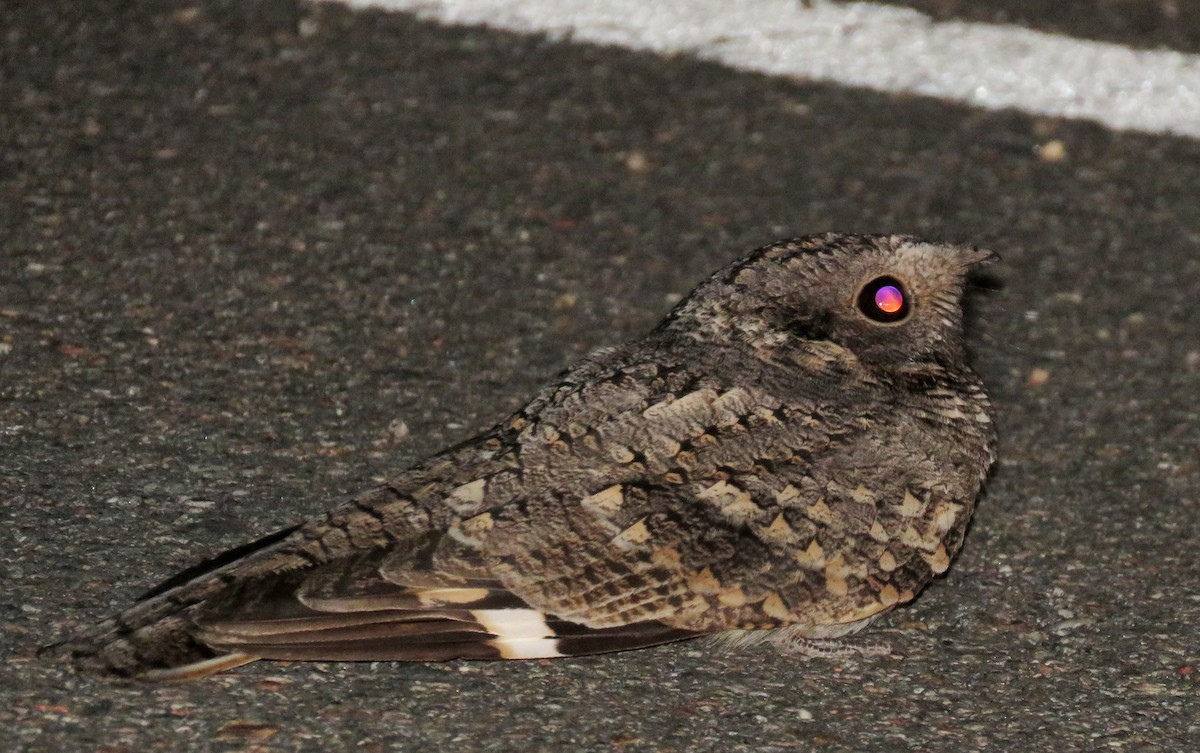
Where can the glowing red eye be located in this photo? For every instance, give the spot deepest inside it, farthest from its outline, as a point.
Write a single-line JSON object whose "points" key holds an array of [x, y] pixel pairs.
{"points": [[889, 299], [884, 300]]}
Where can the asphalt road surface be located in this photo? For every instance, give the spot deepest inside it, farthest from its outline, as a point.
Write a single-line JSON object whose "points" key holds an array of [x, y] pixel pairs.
{"points": [[255, 256]]}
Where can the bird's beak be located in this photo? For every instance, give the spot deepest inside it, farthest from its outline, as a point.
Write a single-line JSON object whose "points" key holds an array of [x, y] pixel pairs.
{"points": [[974, 257]]}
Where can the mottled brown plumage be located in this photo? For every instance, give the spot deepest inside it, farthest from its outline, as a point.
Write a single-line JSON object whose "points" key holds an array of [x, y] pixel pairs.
{"points": [[797, 447]]}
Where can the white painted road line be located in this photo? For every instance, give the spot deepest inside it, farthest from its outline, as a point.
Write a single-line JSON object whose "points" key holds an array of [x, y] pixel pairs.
{"points": [[872, 46]]}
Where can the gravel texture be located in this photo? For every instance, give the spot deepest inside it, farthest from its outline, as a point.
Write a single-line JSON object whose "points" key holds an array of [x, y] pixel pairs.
{"points": [[256, 255]]}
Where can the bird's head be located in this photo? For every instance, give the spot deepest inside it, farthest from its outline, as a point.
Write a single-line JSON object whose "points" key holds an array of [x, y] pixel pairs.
{"points": [[885, 300]]}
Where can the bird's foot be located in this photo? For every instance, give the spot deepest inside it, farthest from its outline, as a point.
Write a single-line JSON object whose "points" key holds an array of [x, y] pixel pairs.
{"points": [[829, 648]]}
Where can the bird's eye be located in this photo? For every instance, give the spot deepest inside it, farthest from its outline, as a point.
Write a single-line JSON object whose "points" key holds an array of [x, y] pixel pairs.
{"points": [[883, 300]]}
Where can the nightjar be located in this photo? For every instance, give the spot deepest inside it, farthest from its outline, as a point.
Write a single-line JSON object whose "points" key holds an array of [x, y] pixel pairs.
{"points": [[793, 451]]}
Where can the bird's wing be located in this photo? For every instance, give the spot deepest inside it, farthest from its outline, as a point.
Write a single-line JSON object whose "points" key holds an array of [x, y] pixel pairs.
{"points": [[664, 527], [439, 566], [401, 603]]}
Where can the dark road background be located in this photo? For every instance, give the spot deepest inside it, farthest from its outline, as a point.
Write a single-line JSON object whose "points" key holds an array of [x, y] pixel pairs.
{"points": [[256, 256]]}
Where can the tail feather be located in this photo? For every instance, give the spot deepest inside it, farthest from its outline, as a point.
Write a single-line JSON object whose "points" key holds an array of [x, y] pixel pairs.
{"points": [[152, 635], [157, 633]]}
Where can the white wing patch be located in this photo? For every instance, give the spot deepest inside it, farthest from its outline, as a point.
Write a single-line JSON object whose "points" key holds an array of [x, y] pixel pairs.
{"points": [[520, 633]]}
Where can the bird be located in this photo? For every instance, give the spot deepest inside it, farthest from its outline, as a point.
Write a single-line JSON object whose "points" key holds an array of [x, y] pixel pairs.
{"points": [[796, 449]]}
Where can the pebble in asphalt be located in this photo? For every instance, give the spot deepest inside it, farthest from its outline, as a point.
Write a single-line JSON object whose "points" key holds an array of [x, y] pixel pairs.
{"points": [[256, 255]]}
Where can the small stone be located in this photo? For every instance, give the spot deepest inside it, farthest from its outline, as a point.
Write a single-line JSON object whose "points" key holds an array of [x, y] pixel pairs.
{"points": [[399, 430], [636, 162], [1052, 151], [246, 729], [1038, 376]]}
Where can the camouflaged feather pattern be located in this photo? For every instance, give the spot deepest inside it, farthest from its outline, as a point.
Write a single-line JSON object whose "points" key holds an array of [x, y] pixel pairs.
{"points": [[770, 456]]}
